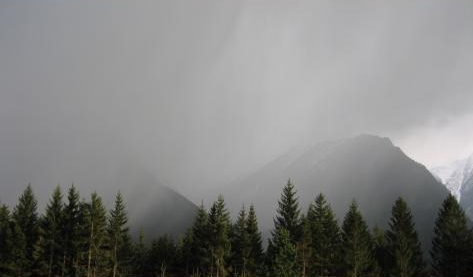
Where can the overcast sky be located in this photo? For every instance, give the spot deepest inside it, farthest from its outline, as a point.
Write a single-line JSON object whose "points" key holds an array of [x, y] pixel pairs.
{"points": [[201, 93]]}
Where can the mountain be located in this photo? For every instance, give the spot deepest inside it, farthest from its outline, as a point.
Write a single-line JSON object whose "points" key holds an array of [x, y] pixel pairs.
{"points": [[367, 168], [458, 178], [151, 205]]}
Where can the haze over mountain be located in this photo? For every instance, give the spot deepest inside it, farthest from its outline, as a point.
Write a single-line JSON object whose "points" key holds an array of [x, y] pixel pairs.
{"points": [[169, 102], [161, 210], [150, 203], [202, 93], [367, 168], [458, 178]]}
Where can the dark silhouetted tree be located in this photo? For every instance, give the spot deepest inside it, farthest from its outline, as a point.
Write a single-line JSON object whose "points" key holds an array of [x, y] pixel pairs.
{"points": [[71, 232], [240, 245], [198, 241], [95, 234], [219, 225], [325, 238], [304, 251], [140, 254], [7, 243], [162, 255], [117, 234], [288, 213], [284, 257], [404, 249], [26, 218], [452, 245], [356, 243], [52, 225], [380, 252], [255, 257]]}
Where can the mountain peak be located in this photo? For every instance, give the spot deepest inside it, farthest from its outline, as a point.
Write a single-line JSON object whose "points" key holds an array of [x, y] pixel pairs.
{"points": [[371, 140], [371, 137], [454, 174], [457, 176], [368, 168]]}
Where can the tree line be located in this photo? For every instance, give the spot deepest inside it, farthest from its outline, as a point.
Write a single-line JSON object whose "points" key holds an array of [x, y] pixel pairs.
{"points": [[80, 238]]}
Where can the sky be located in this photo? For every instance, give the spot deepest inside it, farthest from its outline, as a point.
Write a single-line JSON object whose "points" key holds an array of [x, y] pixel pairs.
{"points": [[201, 93]]}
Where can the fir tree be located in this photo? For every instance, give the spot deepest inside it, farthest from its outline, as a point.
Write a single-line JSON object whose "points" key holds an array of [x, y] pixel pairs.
{"points": [[283, 263], [356, 243], [240, 245], [182, 255], [162, 255], [452, 245], [140, 254], [198, 240], [325, 238], [403, 243], [304, 251], [118, 233], [6, 241], [18, 255], [52, 226], [26, 218], [71, 232], [40, 255], [184, 247], [380, 252], [219, 231], [288, 213], [94, 226], [255, 255]]}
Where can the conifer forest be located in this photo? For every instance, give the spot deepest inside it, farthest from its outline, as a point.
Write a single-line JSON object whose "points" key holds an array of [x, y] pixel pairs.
{"points": [[74, 237]]}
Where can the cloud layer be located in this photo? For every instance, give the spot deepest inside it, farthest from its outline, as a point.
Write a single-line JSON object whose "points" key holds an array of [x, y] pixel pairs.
{"points": [[201, 93]]}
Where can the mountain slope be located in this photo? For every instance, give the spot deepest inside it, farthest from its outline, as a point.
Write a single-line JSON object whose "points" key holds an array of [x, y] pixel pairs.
{"points": [[153, 206], [367, 168], [458, 178]]}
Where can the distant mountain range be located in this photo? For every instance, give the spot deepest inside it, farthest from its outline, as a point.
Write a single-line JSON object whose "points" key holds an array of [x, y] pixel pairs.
{"points": [[367, 168], [458, 178]]}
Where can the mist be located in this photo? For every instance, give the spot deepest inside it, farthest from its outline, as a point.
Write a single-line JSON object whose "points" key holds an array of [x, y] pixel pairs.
{"points": [[200, 94]]}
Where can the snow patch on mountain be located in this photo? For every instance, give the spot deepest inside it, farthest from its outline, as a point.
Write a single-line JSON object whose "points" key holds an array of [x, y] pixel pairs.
{"points": [[455, 175]]}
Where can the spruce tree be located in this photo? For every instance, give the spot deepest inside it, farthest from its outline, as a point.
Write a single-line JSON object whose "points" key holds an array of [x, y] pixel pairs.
{"points": [[94, 232], [26, 218], [219, 231], [71, 232], [287, 218], [325, 238], [288, 213], [6, 241], [403, 244], [356, 243], [283, 259], [182, 255], [52, 226], [40, 252], [198, 240], [140, 254], [380, 252], [117, 234], [303, 247], [18, 255], [240, 245], [185, 254], [452, 245], [162, 255], [255, 255]]}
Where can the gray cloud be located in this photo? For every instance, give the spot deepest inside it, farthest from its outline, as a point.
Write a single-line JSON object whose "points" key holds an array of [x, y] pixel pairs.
{"points": [[201, 93]]}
